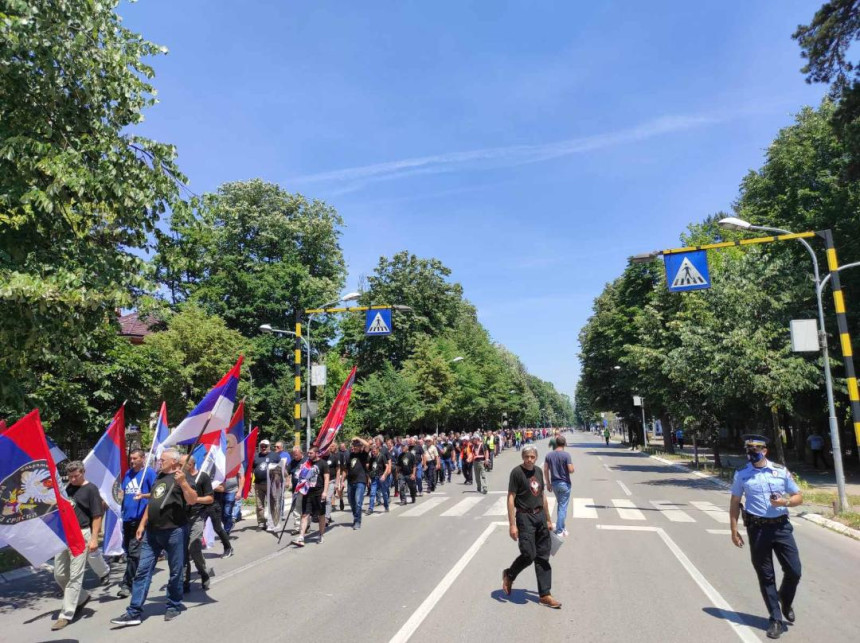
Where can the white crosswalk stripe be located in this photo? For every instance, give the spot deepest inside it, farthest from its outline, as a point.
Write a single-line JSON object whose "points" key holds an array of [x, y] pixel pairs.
{"points": [[579, 508], [715, 512], [463, 506], [670, 510], [627, 509], [499, 507], [423, 507], [584, 508]]}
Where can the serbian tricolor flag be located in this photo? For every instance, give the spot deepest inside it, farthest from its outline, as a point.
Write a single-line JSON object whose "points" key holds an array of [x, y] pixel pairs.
{"points": [[161, 433], [336, 414], [250, 450], [218, 403], [106, 466], [236, 441], [212, 458], [35, 516]]}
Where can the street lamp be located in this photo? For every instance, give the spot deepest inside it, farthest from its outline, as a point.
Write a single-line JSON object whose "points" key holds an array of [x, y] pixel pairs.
{"points": [[734, 223]]}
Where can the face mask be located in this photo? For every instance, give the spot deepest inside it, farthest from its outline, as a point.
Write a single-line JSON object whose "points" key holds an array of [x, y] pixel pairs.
{"points": [[754, 456]]}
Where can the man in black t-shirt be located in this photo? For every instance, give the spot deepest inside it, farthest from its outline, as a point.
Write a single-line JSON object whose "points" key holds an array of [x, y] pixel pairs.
{"points": [[420, 462], [406, 473], [69, 570], [197, 514], [313, 501], [162, 528], [530, 525], [356, 478], [379, 472]]}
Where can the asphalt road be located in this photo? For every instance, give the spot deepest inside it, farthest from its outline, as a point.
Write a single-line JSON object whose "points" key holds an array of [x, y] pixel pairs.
{"points": [[648, 559]]}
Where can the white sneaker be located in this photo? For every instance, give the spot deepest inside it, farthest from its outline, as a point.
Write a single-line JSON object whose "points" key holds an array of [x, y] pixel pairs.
{"points": [[565, 533]]}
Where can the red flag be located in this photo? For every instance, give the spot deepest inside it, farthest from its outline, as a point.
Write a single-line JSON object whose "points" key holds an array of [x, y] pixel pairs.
{"points": [[250, 450], [336, 414]]}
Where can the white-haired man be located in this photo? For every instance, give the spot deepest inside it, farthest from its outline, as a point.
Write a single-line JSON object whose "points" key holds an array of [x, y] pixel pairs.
{"points": [[162, 529]]}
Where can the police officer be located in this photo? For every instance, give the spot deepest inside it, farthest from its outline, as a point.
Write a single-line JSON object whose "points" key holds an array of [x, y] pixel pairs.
{"points": [[769, 491]]}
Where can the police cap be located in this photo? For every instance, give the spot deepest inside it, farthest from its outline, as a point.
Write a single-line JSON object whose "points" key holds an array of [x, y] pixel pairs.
{"points": [[755, 440]]}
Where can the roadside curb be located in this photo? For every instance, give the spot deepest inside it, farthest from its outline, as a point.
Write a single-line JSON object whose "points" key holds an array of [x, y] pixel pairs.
{"points": [[699, 474], [23, 572], [831, 524], [814, 518]]}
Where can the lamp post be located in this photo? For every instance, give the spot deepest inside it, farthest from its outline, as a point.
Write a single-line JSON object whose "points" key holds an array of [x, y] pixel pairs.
{"points": [[267, 328], [734, 223]]}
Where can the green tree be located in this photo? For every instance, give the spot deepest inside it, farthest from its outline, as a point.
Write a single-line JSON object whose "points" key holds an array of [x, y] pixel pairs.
{"points": [[79, 194], [253, 253], [825, 43]]}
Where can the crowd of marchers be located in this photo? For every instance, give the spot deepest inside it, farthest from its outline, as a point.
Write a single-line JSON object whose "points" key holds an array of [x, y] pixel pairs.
{"points": [[165, 509]]}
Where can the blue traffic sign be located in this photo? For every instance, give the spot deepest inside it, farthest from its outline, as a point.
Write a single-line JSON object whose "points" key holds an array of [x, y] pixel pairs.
{"points": [[687, 271], [378, 322]]}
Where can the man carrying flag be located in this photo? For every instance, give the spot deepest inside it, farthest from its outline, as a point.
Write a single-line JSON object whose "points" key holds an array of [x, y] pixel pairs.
{"points": [[250, 448], [136, 482], [69, 568], [162, 529]]}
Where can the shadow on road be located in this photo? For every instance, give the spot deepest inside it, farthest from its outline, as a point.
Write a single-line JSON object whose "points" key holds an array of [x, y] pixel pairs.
{"points": [[615, 454], [741, 618], [641, 468], [688, 483], [518, 596]]}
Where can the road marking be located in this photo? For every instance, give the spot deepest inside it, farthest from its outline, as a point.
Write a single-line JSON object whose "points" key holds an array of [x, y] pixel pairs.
{"points": [[462, 507], [744, 633], [627, 510], [600, 457], [606, 466], [584, 508], [424, 507], [720, 532], [624, 488], [670, 510], [418, 616], [499, 508], [720, 515]]}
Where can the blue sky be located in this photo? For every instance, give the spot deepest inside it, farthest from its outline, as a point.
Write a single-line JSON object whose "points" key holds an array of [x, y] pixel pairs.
{"points": [[531, 146]]}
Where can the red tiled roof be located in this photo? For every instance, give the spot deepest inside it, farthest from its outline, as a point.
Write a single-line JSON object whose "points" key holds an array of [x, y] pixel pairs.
{"points": [[131, 325]]}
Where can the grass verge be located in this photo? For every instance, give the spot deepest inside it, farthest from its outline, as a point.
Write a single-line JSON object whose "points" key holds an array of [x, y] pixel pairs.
{"points": [[11, 559]]}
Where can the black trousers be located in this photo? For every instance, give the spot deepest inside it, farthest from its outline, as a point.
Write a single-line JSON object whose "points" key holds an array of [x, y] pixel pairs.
{"points": [[467, 471], [131, 545], [404, 481], [215, 514], [430, 476], [765, 541], [535, 545]]}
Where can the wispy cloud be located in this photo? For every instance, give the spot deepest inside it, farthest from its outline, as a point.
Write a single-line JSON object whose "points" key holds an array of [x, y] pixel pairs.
{"points": [[498, 157]]}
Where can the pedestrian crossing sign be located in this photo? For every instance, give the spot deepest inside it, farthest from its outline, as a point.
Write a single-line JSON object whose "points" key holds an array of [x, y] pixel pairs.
{"points": [[687, 271], [378, 322]]}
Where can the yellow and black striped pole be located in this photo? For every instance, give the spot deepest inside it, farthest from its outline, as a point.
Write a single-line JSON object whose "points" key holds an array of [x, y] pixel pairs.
{"points": [[297, 377], [844, 336]]}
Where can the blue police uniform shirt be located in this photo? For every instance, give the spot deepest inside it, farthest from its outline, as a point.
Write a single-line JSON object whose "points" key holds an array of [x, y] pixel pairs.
{"points": [[135, 482], [757, 484]]}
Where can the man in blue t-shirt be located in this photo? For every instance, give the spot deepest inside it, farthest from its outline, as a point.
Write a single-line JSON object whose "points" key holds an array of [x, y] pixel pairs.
{"points": [[135, 483]]}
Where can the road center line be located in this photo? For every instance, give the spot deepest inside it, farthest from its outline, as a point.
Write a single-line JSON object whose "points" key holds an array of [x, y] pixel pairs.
{"points": [[624, 488], [418, 616], [720, 532], [726, 611]]}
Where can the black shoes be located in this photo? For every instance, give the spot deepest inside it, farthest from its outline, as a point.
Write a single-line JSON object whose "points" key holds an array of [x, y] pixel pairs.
{"points": [[204, 583], [171, 614], [126, 619], [788, 613], [227, 553], [775, 630], [123, 592]]}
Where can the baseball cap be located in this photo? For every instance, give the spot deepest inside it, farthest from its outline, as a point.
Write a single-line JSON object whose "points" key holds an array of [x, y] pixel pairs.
{"points": [[266, 442]]}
